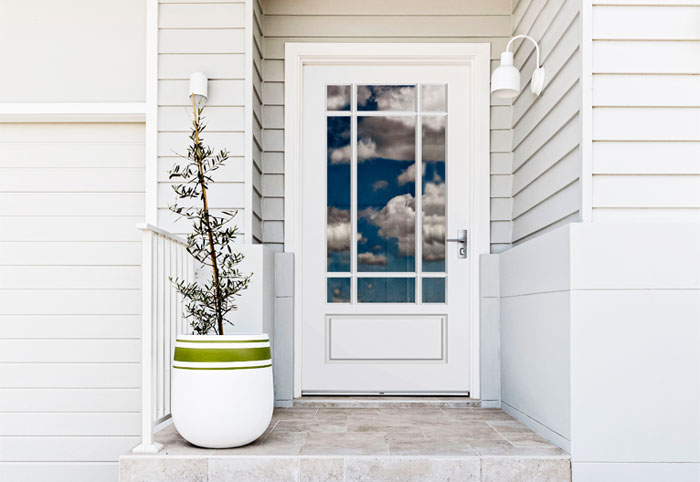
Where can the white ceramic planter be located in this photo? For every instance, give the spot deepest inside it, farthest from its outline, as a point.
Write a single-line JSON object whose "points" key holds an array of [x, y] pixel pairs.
{"points": [[222, 393]]}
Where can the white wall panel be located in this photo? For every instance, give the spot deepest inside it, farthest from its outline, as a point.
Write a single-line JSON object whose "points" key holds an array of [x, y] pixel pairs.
{"points": [[646, 124], [656, 22], [385, 26], [74, 203], [535, 334], [524, 270], [646, 472], [72, 326], [635, 328], [70, 375], [77, 51], [647, 191], [69, 449], [61, 471], [194, 41], [646, 157], [71, 400], [70, 198], [640, 90], [646, 116], [69, 228], [634, 57], [217, 66], [535, 358], [223, 15], [56, 424], [633, 355], [371, 7]]}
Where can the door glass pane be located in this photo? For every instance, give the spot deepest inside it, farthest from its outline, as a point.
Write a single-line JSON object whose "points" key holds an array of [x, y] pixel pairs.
{"points": [[338, 97], [386, 97], [433, 98], [433, 199], [338, 290], [338, 228], [433, 290], [386, 212], [386, 290]]}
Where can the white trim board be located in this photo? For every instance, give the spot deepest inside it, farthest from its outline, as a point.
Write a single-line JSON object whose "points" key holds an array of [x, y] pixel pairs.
{"points": [[151, 112], [248, 124], [477, 56], [18, 112]]}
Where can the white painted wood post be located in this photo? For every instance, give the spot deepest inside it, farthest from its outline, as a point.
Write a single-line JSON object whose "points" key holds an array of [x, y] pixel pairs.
{"points": [[147, 444], [163, 255]]}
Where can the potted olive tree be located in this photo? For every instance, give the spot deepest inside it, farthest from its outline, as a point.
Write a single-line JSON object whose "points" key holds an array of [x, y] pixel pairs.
{"points": [[222, 393]]}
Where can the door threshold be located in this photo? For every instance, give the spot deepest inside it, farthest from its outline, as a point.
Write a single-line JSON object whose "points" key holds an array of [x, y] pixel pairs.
{"points": [[363, 401]]}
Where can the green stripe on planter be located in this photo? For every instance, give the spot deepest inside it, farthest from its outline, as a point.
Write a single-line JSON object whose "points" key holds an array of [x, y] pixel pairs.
{"points": [[221, 354], [223, 368], [222, 341]]}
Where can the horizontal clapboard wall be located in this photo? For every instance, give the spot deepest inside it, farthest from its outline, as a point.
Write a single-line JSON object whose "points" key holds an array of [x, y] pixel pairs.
{"points": [[256, 46], [71, 195], [392, 21], [546, 167], [206, 37], [77, 51], [646, 111]]}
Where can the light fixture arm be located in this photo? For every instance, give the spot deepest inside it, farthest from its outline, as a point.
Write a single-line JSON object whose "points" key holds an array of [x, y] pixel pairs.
{"points": [[537, 47]]}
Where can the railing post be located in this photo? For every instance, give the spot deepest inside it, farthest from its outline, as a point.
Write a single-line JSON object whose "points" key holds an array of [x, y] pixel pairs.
{"points": [[147, 444]]}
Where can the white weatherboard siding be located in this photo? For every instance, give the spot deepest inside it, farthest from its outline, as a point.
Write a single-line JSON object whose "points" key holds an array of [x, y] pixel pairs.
{"points": [[256, 112], [392, 21], [211, 38], [77, 51], [646, 111], [70, 254], [547, 129]]}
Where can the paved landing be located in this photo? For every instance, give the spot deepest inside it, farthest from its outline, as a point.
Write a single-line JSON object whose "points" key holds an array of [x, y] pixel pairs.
{"points": [[365, 444]]}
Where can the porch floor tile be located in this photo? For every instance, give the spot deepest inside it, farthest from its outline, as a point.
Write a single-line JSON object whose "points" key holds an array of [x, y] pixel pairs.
{"points": [[368, 444]]}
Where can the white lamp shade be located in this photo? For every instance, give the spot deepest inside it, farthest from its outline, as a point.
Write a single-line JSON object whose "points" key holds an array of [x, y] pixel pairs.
{"points": [[198, 87], [505, 81]]}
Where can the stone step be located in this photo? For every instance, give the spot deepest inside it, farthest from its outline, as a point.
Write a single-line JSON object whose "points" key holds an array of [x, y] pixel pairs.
{"points": [[344, 469], [385, 444]]}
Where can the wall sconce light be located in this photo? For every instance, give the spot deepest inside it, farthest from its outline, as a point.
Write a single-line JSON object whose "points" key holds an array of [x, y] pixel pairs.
{"points": [[198, 87], [505, 81]]}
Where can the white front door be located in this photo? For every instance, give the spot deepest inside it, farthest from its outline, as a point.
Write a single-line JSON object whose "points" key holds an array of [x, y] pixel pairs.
{"points": [[385, 179]]}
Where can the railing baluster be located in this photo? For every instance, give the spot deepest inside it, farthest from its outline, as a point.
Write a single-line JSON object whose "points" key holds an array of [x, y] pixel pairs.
{"points": [[170, 326], [178, 305], [154, 326], [190, 279], [161, 324], [163, 255]]}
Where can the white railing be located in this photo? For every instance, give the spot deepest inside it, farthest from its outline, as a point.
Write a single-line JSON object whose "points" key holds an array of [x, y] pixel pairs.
{"points": [[163, 256]]}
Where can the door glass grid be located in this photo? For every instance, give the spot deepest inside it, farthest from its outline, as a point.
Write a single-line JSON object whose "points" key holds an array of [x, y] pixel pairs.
{"points": [[386, 174]]}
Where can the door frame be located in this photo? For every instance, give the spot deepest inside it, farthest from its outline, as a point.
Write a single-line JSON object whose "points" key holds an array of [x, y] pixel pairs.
{"points": [[477, 57]]}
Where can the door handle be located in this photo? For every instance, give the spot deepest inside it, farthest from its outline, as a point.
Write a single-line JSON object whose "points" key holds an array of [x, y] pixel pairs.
{"points": [[462, 239]]}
